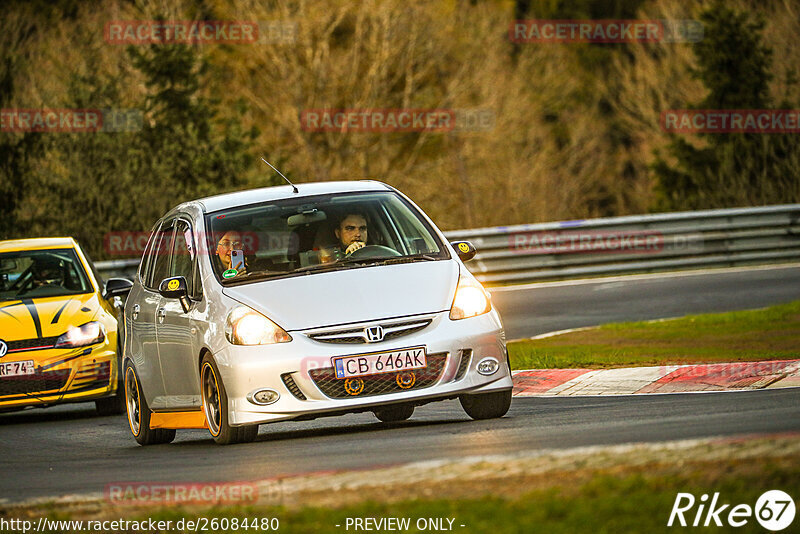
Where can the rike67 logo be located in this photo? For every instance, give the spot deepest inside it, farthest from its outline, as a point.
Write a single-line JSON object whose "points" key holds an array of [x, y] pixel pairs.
{"points": [[774, 510]]}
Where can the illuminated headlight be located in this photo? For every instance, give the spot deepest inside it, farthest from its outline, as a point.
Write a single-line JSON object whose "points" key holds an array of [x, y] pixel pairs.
{"points": [[80, 336], [470, 300], [248, 327]]}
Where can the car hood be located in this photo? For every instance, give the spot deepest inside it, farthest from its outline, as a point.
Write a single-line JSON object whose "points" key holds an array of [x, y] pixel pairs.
{"points": [[352, 295], [45, 317]]}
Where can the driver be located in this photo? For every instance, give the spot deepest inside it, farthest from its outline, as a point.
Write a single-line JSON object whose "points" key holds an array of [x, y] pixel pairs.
{"points": [[352, 232], [47, 273]]}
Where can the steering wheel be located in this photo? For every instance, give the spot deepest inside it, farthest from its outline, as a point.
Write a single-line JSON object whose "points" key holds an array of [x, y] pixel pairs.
{"points": [[373, 251]]}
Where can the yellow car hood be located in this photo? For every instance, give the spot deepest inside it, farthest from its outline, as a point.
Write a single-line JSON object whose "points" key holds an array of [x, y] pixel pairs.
{"points": [[45, 317]]}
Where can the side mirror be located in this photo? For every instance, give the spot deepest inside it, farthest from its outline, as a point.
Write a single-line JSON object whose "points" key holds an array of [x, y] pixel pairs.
{"points": [[176, 288], [465, 250], [117, 287]]}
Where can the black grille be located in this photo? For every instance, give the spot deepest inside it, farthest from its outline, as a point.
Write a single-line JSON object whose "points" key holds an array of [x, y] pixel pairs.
{"points": [[36, 383], [381, 384], [392, 335], [292, 386], [463, 365], [23, 344], [355, 339]]}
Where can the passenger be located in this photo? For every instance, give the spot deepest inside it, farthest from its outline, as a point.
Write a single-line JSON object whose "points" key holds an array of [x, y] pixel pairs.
{"points": [[230, 241]]}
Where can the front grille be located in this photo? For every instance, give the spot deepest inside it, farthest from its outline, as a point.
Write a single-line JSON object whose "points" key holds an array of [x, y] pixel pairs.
{"points": [[382, 384], [463, 365], [27, 344], [36, 383], [392, 330], [291, 385]]}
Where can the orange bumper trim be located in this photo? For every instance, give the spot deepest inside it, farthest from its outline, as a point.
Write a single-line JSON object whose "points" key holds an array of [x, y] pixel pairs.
{"points": [[195, 419]]}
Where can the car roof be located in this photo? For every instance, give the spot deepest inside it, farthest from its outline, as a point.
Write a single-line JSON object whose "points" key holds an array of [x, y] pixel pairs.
{"points": [[39, 243], [266, 194]]}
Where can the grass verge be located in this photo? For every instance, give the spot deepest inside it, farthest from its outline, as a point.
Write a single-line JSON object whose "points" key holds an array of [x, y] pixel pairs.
{"points": [[754, 335], [620, 490]]}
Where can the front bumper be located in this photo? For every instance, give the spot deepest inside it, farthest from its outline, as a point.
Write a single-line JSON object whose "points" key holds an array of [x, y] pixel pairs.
{"points": [[459, 346], [61, 376]]}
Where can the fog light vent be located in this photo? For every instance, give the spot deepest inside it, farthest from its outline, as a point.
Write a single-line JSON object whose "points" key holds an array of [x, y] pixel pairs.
{"points": [[488, 366], [263, 397]]}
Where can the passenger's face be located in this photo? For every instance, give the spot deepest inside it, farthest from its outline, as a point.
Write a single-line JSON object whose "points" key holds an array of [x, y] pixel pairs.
{"points": [[228, 242], [353, 228]]}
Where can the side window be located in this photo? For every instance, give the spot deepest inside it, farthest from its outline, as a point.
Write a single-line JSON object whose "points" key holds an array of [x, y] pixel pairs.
{"points": [[159, 263], [184, 256], [145, 267]]}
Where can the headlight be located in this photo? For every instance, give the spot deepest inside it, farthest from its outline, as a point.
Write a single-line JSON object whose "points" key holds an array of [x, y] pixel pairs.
{"points": [[80, 336], [248, 327], [470, 300]]}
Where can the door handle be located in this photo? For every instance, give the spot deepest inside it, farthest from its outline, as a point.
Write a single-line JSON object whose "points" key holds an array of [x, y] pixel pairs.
{"points": [[135, 312], [161, 314]]}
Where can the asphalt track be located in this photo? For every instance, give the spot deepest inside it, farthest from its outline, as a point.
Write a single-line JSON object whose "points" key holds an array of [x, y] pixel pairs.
{"points": [[69, 450], [539, 308]]}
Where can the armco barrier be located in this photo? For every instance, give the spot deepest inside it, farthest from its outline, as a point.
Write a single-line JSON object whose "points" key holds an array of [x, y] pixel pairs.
{"points": [[619, 245]]}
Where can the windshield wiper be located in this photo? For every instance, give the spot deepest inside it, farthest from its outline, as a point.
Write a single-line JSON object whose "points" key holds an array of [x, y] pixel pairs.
{"points": [[345, 264], [409, 259], [256, 275]]}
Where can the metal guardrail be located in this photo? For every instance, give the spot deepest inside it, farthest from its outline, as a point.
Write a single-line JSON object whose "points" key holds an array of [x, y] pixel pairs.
{"points": [[618, 245], [634, 244]]}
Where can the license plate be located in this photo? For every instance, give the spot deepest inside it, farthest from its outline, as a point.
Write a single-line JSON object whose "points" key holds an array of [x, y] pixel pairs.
{"points": [[16, 368], [379, 362]]}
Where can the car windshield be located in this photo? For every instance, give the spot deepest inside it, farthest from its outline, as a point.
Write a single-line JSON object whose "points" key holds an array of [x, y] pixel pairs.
{"points": [[315, 234], [41, 273]]}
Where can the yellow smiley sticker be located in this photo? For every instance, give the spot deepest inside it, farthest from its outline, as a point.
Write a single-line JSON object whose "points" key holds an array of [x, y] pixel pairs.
{"points": [[173, 285], [463, 247]]}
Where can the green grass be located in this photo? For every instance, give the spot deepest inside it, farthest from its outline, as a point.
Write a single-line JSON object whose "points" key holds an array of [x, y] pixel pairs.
{"points": [[609, 501], [769, 334]]}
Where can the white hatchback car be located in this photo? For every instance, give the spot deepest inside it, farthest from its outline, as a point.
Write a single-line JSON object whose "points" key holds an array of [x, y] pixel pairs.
{"points": [[279, 303]]}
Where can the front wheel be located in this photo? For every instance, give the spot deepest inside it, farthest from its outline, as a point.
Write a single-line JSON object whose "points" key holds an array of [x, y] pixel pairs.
{"points": [[139, 413], [114, 405], [215, 405], [486, 405]]}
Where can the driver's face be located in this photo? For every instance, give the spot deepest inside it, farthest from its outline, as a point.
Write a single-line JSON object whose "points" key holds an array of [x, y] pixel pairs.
{"points": [[353, 228], [228, 242], [45, 276]]}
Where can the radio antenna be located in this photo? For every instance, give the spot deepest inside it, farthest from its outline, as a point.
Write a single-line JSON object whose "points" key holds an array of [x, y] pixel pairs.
{"points": [[294, 187]]}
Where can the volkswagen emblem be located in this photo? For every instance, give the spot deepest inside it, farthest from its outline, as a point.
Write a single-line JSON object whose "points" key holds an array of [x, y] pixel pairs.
{"points": [[3, 348], [374, 333]]}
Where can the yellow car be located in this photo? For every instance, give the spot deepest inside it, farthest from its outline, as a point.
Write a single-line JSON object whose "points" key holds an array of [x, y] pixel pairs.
{"points": [[58, 327]]}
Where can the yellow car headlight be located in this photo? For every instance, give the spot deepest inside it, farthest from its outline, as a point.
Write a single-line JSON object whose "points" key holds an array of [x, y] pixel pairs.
{"points": [[248, 327], [471, 298]]}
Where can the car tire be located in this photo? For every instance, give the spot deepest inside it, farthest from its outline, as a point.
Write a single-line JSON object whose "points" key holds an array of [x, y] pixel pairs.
{"points": [[215, 407], [139, 413], [395, 414], [486, 405], [113, 405]]}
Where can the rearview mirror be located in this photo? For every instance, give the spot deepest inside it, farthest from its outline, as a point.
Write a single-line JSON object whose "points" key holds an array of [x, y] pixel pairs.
{"points": [[116, 287], [307, 217], [465, 250], [176, 288]]}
